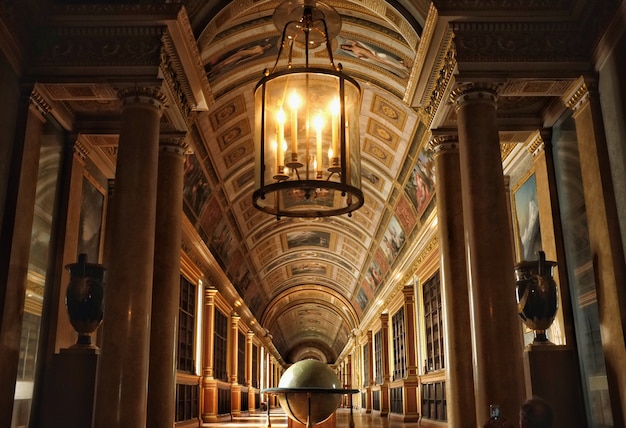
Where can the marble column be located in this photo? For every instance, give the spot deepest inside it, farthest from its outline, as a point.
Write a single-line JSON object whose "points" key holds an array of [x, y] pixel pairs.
{"points": [[411, 382], [16, 227], [209, 384], [370, 372], [496, 330], [604, 238], [235, 389], [166, 284], [384, 387], [121, 391], [249, 337], [461, 406]]}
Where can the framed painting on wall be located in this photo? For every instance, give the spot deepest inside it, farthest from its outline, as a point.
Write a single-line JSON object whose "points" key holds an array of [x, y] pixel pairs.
{"points": [[91, 220], [526, 220]]}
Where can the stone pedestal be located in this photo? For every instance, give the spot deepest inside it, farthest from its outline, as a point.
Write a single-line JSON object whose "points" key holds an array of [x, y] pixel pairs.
{"points": [[552, 374], [68, 401]]}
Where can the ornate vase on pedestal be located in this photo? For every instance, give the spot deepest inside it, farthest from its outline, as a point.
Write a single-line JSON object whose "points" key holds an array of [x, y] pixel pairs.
{"points": [[537, 295], [84, 299]]}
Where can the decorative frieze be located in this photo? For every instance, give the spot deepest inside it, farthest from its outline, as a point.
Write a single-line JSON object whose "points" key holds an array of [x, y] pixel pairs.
{"points": [[99, 46], [520, 42]]}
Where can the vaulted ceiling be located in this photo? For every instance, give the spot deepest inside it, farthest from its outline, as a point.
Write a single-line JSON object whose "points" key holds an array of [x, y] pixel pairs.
{"points": [[308, 283]]}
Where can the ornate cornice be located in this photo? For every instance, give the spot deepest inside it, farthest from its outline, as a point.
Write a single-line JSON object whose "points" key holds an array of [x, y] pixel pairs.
{"points": [[439, 87], [520, 42], [96, 46], [458, 6]]}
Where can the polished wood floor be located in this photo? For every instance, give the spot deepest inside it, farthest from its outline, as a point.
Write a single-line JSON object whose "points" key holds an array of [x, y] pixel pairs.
{"points": [[279, 420]]}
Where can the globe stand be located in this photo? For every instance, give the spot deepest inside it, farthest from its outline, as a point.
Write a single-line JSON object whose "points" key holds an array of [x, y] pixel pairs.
{"points": [[310, 392]]}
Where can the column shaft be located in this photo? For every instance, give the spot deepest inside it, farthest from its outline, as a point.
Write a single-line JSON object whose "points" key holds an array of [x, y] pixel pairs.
{"points": [[370, 371], [411, 383], [498, 369], [235, 389], [604, 239], [384, 387], [121, 392], [17, 223], [166, 285], [209, 385], [461, 406], [249, 348]]}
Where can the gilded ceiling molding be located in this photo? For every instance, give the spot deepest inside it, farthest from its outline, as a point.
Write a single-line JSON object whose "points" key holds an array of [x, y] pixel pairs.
{"points": [[422, 50], [440, 81], [423, 256]]}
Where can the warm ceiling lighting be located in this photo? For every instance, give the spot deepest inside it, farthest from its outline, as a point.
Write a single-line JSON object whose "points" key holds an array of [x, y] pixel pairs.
{"points": [[307, 122]]}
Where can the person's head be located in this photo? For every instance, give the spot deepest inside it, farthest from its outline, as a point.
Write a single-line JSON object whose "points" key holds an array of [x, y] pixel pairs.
{"points": [[536, 413]]}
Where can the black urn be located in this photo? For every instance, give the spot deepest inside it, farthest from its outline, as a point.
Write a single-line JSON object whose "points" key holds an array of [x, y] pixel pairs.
{"points": [[537, 295], [84, 298]]}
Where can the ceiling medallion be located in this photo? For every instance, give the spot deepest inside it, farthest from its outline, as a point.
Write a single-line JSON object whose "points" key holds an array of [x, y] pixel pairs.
{"points": [[307, 139]]}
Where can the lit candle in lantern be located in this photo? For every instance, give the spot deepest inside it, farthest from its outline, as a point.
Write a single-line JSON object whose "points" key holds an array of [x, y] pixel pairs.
{"points": [[294, 103], [318, 123], [280, 131], [334, 113]]}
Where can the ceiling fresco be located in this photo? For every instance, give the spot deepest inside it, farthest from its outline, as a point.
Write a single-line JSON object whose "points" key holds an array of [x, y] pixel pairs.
{"points": [[309, 281]]}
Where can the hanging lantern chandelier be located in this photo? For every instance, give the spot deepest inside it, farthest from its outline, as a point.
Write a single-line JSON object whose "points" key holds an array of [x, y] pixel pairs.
{"points": [[307, 122]]}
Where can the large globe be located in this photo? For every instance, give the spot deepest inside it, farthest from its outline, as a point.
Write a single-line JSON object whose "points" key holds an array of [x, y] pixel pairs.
{"points": [[309, 376]]}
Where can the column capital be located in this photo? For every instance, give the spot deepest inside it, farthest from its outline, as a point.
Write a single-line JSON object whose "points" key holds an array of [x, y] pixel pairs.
{"points": [[149, 95], [474, 92], [384, 318], [443, 143], [234, 316], [579, 94], [538, 143], [210, 292], [174, 143], [409, 294]]}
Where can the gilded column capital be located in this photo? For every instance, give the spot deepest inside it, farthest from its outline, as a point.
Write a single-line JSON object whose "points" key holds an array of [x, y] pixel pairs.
{"points": [[443, 143], [579, 94], [234, 317], [209, 294], [474, 92], [537, 144]]}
